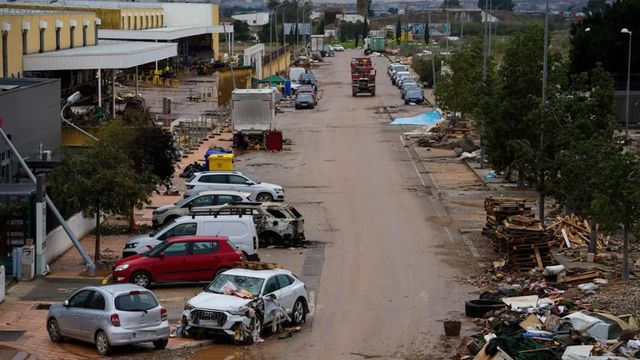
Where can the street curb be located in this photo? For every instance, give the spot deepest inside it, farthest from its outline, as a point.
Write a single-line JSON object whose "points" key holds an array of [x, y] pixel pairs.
{"points": [[197, 345], [484, 182]]}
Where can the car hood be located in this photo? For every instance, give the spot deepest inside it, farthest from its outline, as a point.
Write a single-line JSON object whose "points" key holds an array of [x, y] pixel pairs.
{"points": [[165, 207], [140, 238], [132, 260], [268, 185], [220, 302]]}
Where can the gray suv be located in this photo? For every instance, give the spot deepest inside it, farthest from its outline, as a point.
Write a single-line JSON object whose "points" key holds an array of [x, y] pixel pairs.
{"points": [[234, 181]]}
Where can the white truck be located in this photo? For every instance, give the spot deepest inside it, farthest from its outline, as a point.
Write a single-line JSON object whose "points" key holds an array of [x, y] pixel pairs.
{"points": [[253, 111], [317, 43]]}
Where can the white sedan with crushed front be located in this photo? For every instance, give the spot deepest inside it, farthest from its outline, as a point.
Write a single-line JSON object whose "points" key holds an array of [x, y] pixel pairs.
{"points": [[221, 307]]}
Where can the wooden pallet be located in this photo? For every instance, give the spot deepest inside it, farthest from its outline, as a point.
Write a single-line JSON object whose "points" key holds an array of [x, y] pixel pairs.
{"points": [[254, 265]]}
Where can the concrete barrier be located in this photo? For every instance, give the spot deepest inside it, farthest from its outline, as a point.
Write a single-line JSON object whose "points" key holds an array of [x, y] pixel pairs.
{"points": [[57, 240]]}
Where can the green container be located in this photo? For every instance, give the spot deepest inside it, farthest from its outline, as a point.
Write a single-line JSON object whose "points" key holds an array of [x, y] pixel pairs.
{"points": [[377, 43]]}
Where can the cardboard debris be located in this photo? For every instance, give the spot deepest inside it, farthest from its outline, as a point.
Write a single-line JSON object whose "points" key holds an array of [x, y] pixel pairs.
{"points": [[531, 323], [577, 352], [501, 355], [522, 303]]}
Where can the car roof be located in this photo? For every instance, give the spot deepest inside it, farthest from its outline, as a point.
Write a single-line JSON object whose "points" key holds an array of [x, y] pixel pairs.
{"points": [[218, 172], [117, 289], [222, 192], [211, 217], [262, 274], [196, 238]]}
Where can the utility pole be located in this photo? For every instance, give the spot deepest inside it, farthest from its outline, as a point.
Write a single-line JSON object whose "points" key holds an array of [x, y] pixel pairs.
{"points": [[433, 53], [489, 27], [545, 70], [485, 55]]}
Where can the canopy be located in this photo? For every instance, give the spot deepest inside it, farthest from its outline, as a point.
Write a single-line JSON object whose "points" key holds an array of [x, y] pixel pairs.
{"points": [[273, 79]]}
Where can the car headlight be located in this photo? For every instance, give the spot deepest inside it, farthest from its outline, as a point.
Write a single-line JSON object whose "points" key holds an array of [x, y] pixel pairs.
{"points": [[278, 190], [188, 307], [131, 245], [122, 267], [160, 212]]}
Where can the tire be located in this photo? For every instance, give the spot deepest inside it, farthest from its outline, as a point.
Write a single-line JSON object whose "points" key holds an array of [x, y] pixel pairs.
{"points": [[160, 344], [102, 343], [299, 313], [264, 197], [373, 92], [477, 308], [53, 328], [141, 278], [354, 93]]}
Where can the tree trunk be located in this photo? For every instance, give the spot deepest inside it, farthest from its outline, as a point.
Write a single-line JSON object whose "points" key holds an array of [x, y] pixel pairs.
{"points": [[132, 221], [625, 254], [520, 178], [593, 238], [96, 256]]}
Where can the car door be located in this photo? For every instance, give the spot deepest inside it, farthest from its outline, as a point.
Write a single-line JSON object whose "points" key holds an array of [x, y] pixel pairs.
{"points": [[270, 307], [172, 264], [205, 259], [202, 203], [285, 294], [225, 199], [71, 321], [93, 315], [238, 183], [214, 182]]}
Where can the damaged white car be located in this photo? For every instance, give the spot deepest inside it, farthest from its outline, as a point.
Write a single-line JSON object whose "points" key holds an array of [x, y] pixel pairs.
{"points": [[241, 302]]}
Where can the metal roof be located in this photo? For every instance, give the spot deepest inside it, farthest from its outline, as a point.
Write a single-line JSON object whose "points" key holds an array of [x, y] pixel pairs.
{"points": [[106, 55], [163, 34], [17, 189]]}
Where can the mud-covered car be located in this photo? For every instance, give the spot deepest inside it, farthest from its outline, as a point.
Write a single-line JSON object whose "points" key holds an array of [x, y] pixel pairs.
{"points": [[276, 223], [241, 302]]}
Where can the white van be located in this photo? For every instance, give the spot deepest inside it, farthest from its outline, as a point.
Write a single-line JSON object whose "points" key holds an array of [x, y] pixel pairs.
{"points": [[240, 230], [294, 76]]}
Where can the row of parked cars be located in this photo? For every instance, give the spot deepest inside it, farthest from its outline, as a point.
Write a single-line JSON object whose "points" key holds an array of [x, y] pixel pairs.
{"points": [[306, 91], [204, 237], [409, 85]]}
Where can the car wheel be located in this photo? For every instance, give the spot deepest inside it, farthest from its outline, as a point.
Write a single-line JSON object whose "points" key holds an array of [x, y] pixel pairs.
{"points": [[264, 197], [299, 315], [54, 331], [141, 278], [160, 344], [102, 343]]}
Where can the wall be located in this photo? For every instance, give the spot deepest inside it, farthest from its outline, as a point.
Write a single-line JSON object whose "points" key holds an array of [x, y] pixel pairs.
{"points": [[282, 63], [14, 37], [225, 82], [185, 14], [57, 241], [137, 18], [30, 122]]}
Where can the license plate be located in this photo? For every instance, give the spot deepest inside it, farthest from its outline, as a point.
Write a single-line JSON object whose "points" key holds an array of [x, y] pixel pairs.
{"points": [[213, 323]]}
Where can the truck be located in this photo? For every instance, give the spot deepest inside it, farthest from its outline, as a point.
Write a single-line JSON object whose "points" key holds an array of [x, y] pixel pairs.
{"points": [[253, 111], [363, 76], [317, 43], [373, 44]]}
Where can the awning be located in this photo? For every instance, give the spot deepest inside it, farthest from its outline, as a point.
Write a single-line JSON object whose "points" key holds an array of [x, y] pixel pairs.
{"points": [[163, 34], [17, 189], [106, 55], [273, 79]]}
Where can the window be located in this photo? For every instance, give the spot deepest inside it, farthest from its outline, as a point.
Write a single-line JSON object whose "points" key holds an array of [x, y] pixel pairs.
{"points": [[129, 22], [205, 247], [180, 230], [271, 286], [176, 249], [213, 179], [135, 23], [236, 179], [225, 199], [205, 200], [161, 20], [277, 213], [96, 302], [146, 17], [57, 38], [284, 281], [80, 299], [25, 43], [5, 54], [41, 40], [84, 35], [142, 301], [72, 39], [123, 22]]}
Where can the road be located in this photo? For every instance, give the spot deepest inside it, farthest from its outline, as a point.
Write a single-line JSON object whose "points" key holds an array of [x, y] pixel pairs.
{"points": [[388, 277]]}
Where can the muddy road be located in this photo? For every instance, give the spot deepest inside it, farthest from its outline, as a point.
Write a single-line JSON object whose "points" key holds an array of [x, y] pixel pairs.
{"points": [[383, 271]]}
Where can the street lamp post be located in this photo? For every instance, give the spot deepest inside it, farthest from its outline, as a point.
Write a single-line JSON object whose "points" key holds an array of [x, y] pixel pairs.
{"points": [[545, 72], [626, 108]]}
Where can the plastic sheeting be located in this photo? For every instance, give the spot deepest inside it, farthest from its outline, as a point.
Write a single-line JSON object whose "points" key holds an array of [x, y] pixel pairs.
{"points": [[425, 119]]}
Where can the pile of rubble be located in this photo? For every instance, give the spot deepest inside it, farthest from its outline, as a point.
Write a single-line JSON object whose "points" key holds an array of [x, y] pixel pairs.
{"points": [[572, 231], [450, 134]]}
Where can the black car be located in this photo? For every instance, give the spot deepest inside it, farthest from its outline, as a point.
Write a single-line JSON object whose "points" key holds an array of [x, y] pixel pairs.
{"points": [[305, 101], [414, 96]]}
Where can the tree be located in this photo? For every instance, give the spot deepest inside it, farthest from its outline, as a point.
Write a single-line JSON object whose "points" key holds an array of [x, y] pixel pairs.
{"points": [[365, 28], [507, 5], [320, 29], [393, 10], [604, 43], [343, 31], [398, 31], [427, 35], [100, 179], [594, 6], [423, 66], [241, 30]]}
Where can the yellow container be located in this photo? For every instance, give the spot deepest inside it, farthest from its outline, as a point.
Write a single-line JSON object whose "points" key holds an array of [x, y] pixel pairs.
{"points": [[220, 162]]}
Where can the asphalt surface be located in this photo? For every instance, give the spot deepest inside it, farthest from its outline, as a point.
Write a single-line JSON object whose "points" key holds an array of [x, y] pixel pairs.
{"points": [[386, 278]]}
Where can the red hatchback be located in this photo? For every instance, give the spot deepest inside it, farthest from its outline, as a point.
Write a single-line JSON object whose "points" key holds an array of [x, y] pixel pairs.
{"points": [[179, 259]]}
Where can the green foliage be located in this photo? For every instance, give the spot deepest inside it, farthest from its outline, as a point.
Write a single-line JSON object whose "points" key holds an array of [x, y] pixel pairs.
{"points": [[365, 28], [320, 28], [595, 6], [350, 30], [457, 90], [424, 68], [241, 30], [604, 43], [13, 209], [498, 4], [427, 36], [398, 31]]}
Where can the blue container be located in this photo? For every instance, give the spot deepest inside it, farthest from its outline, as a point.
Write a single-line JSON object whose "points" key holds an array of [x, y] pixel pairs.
{"points": [[287, 88], [217, 150]]}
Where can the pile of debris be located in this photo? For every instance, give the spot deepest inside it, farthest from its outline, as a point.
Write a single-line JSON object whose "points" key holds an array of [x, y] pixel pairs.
{"points": [[571, 231], [516, 234]]}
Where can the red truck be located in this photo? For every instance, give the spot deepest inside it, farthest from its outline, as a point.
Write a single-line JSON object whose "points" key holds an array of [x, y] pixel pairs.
{"points": [[363, 76]]}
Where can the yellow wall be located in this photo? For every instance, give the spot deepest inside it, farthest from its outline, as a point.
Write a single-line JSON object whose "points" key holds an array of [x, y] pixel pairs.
{"points": [[215, 38], [225, 82], [14, 37], [142, 18], [282, 63]]}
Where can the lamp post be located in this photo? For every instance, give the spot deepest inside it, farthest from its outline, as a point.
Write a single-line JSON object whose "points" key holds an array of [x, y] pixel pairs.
{"points": [[626, 107], [72, 99]]}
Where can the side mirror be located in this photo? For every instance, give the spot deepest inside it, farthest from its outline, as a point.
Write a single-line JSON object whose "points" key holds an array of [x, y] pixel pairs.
{"points": [[65, 303], [249, 182], [272, 296], [161, 256]]}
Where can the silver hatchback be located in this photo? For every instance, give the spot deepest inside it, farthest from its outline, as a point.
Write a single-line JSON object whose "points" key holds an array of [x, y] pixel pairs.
{"points": [[110, 316]]}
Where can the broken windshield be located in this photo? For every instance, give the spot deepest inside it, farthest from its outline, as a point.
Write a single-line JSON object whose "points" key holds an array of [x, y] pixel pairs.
{"points": [[250, 284]]}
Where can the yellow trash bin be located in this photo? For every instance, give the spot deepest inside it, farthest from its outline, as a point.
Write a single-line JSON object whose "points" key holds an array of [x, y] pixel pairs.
{"points": [[220, 162]]}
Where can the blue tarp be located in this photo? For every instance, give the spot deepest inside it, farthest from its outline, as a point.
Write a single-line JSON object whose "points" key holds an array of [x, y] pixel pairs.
{"points": [[428, 118]]}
